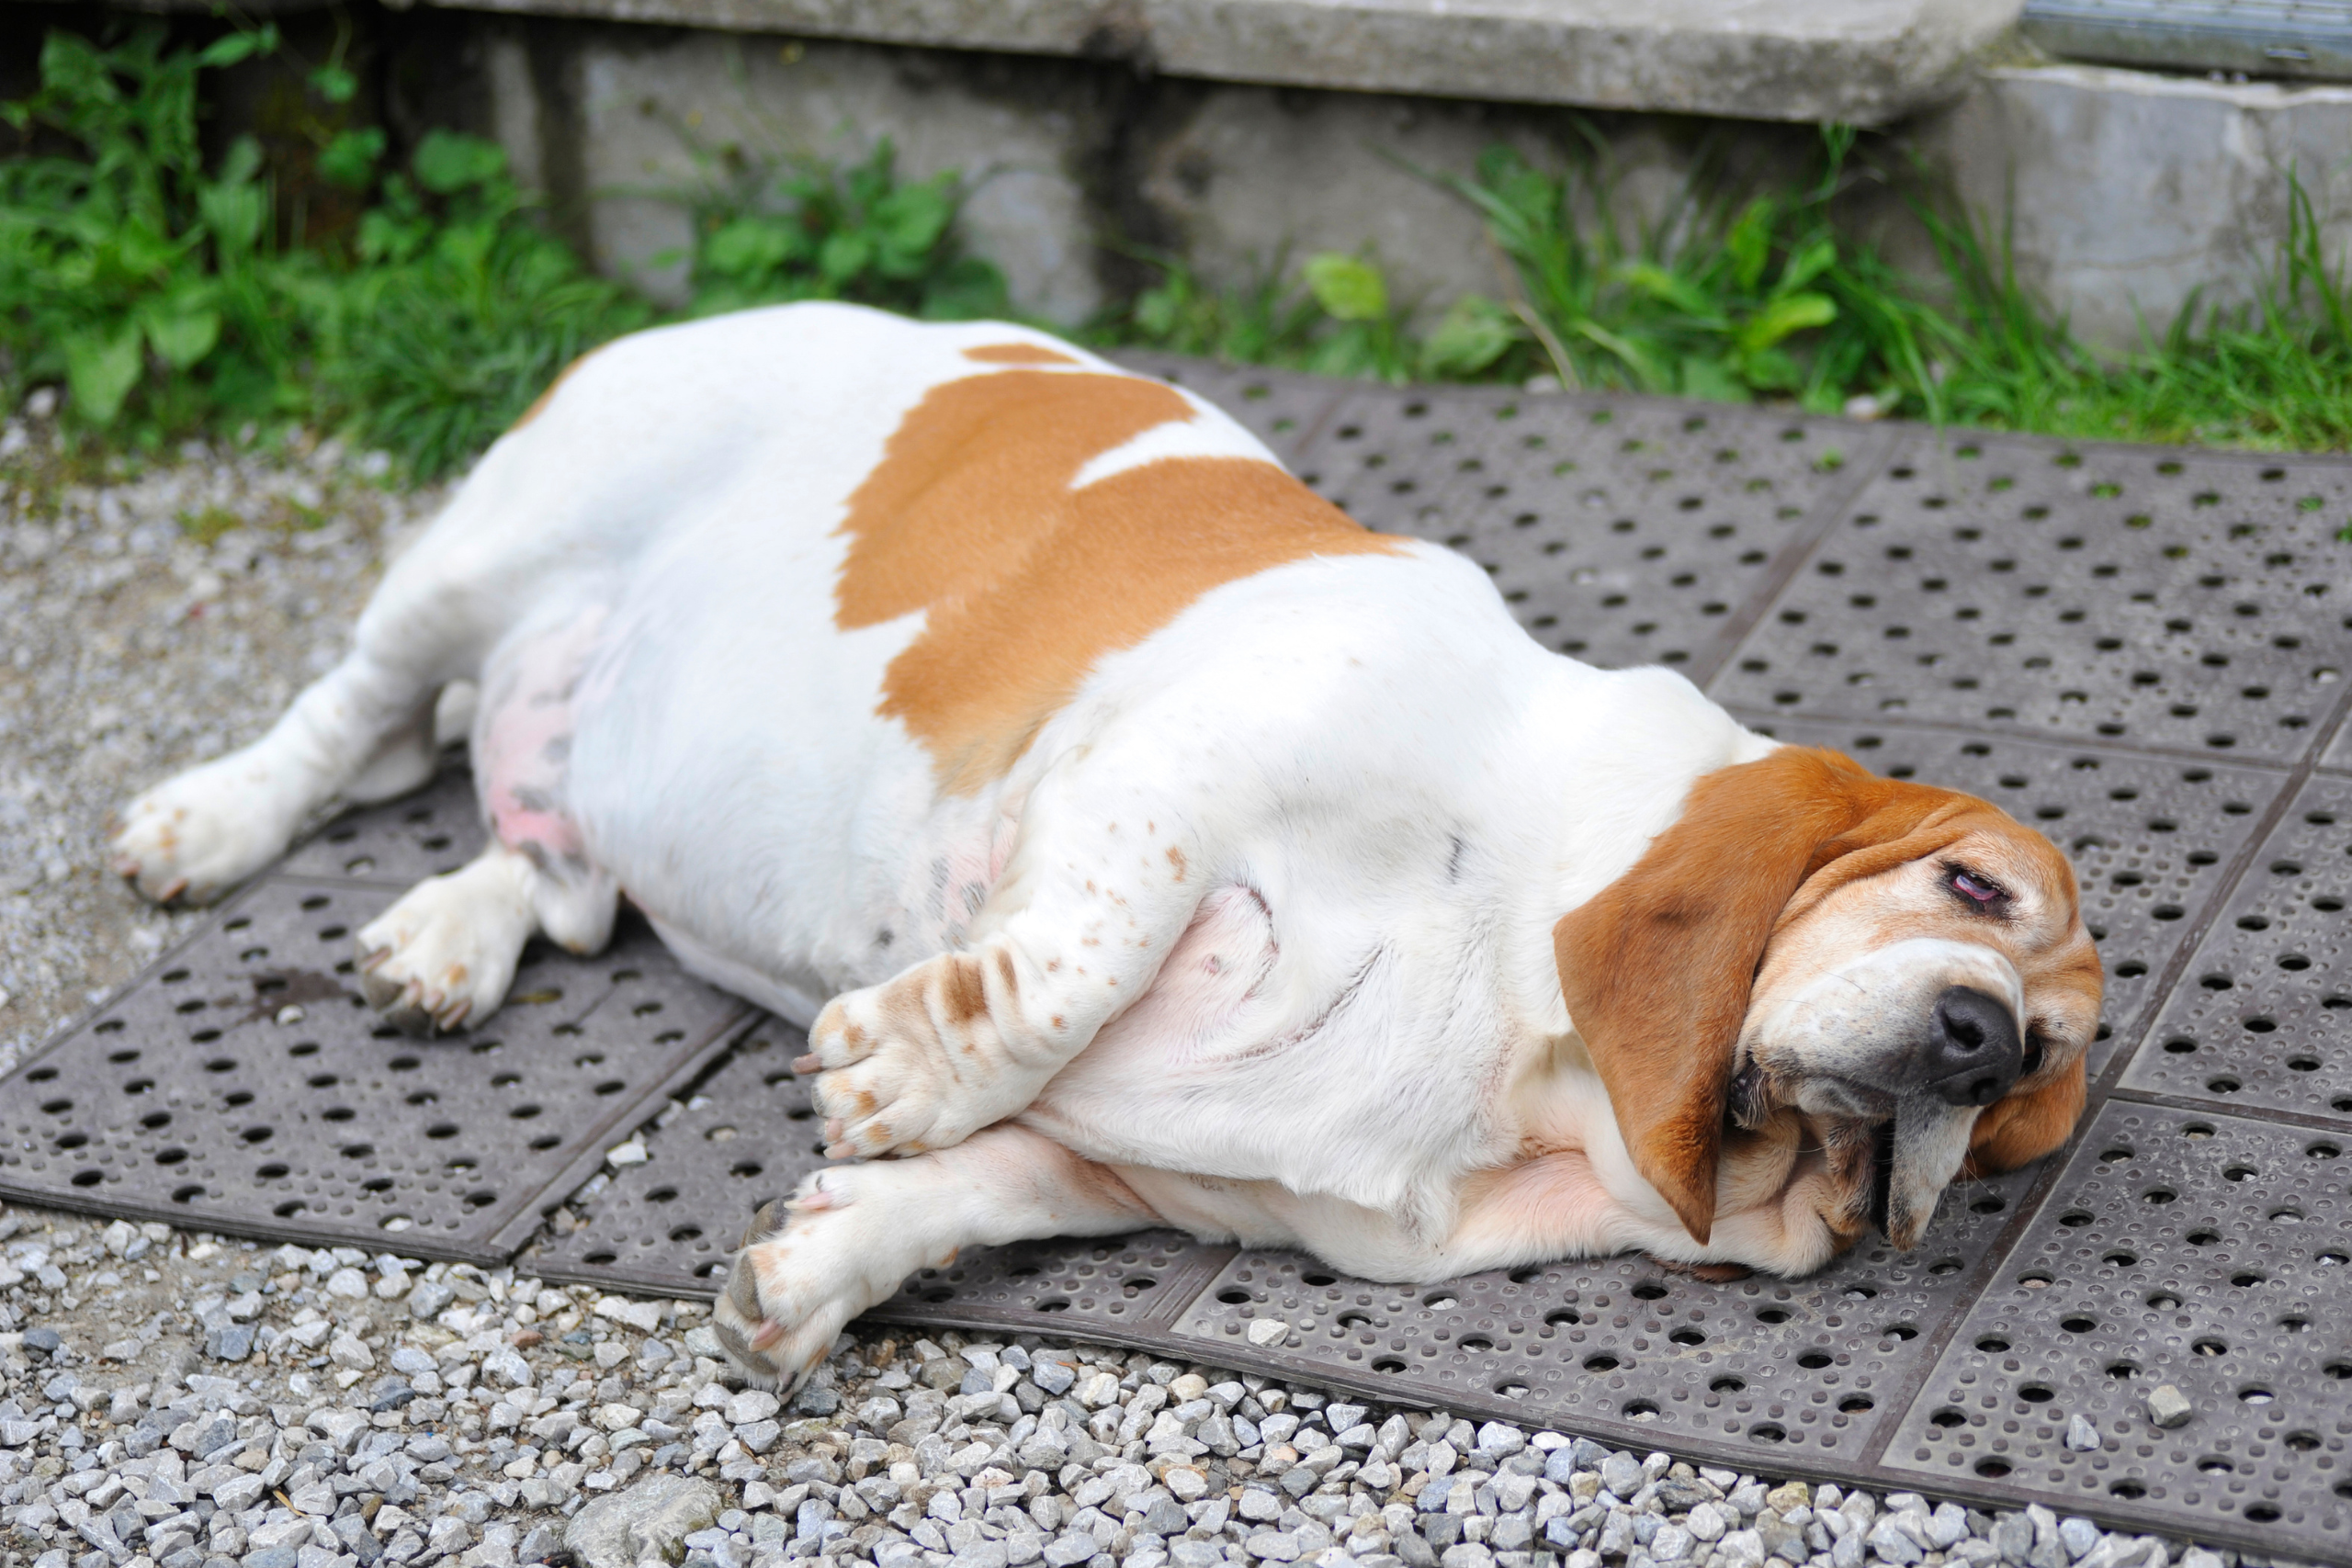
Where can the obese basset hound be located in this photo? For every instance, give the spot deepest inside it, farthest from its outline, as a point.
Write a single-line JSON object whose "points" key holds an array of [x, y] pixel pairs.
{"points": [[1144, 842]]}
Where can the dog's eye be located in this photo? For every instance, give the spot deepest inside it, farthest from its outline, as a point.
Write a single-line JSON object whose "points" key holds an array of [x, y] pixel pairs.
{"points": [[1977, 889]]}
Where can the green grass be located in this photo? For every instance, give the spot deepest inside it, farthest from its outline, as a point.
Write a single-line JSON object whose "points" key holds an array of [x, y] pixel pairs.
{"points": [[2274, 374], [1766, 297], [158, 292], [166, 296]]}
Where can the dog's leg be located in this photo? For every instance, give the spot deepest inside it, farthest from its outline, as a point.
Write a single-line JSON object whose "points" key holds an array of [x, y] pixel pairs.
{"points": [[443, 955], [195, 836], [1569, 1204], [402, 761], [1101, 888], [852, 1233], [365, 727]]}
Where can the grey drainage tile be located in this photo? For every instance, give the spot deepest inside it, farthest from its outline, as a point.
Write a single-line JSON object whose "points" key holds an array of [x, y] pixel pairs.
{"points": [[2192, 602], [1282, 408], [741, 1136], [243, 1085], [744, 1133], [1622, 531], [2262, 1017], [401, 843], [2205, 1252], [1121, 1289], [2151, 838], [2339, 755], [1800, 1371]]}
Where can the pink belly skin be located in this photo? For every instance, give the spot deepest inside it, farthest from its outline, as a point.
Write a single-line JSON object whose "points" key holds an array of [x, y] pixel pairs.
{"points": [[523, 742]]}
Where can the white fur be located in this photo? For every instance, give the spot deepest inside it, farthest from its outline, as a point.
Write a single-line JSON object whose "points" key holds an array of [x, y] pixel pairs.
{"points": [[1338, 1026]]}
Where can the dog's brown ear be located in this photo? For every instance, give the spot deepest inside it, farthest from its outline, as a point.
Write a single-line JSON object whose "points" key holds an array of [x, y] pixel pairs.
{"points": [[1657, 967]]}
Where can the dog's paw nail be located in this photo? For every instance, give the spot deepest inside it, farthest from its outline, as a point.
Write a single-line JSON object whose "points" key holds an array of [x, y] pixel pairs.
{"points": [[770, 1332], [171, 890], [807, 1063]]}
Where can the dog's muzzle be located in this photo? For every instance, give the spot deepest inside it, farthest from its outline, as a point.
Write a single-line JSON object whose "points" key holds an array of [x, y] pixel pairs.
{"points": [[1973, 1052]]}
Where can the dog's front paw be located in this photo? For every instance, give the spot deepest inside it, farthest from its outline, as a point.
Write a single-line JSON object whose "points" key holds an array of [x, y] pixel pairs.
{"points": [[443, 955], [914, 1063], [808, 1265], [883, 1089], [194, 837]]}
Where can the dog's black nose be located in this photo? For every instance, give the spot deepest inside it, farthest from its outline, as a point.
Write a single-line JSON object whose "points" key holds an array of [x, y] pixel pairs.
{"points": [[1973, 1053]]}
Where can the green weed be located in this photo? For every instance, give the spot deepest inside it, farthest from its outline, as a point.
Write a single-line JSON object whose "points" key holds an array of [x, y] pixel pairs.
{"points": [[458, 312], [208, 523], [1335, 318], [2274, 373], [130, 272], [1707, 300], [156, 291], [767, 234]]}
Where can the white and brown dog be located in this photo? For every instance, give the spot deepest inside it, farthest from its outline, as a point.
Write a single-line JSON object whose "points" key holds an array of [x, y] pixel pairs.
{"points": [[1146, 843]]}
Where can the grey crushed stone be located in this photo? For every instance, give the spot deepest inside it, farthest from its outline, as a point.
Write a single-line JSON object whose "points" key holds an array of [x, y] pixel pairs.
{"points": [[177, 1400], [129, 651], [652, 1519]]}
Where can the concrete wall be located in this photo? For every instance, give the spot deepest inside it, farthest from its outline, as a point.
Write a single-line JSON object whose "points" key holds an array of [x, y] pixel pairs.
{"points": [[2129, 189], [2124, 191], [1075, 165]]}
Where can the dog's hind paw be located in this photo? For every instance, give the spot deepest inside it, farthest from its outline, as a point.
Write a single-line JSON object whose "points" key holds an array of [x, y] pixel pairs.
{"points": [[807, 1266]]}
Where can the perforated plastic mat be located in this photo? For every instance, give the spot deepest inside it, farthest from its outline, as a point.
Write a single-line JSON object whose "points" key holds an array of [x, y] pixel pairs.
{"points": [[2262, 1017], [2191, 602], [2140, 652], [245, 1086]]}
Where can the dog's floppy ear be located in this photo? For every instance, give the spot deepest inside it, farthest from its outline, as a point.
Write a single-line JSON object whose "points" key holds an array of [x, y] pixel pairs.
{"points": [[1656, 967]]}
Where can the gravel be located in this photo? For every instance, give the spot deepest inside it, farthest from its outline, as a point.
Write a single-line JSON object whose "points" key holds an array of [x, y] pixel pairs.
{"points": [[178, 1400], [129, 650]]}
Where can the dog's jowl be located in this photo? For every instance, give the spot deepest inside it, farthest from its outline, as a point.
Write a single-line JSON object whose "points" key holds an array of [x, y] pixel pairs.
{"points": [[1144, 842]]}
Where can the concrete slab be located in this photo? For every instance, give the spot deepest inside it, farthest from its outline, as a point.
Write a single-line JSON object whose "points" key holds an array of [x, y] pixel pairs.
{"points": [[1867, 62], [2127, 191]]}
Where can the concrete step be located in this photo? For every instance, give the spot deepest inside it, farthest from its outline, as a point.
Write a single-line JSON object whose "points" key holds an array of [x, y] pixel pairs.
{"points": [[1866, 61]]}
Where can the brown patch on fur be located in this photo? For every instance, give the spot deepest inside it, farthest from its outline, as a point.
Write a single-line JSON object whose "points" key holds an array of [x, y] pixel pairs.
{"points": [[1657, 967], [963, 993], [971, 517], [539, 403], [1017, 354], [1007, 971], [1176, 859]]}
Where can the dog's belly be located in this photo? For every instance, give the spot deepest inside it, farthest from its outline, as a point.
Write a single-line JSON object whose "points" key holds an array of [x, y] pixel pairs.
{"points": [[726, 765], [1247, 1061]]}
